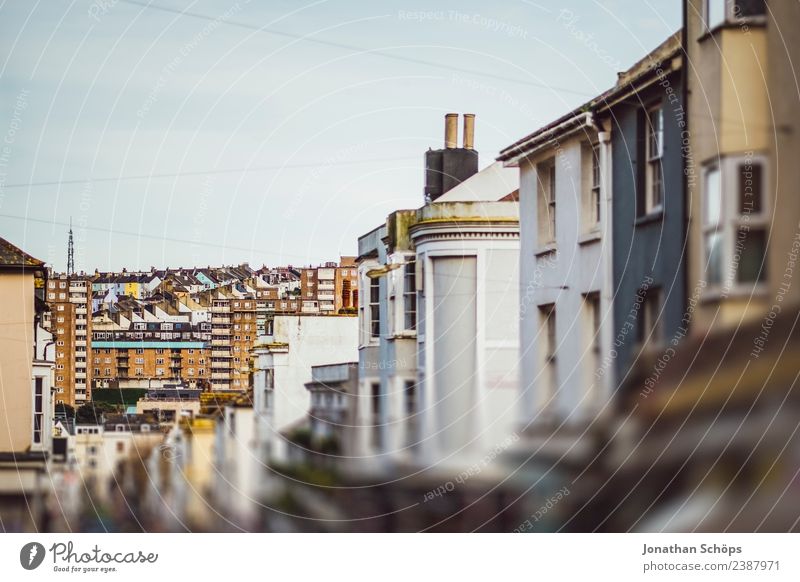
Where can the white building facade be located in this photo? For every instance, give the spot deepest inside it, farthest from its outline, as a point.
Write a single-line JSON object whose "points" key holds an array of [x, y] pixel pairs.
{"points": [[565, 273]]}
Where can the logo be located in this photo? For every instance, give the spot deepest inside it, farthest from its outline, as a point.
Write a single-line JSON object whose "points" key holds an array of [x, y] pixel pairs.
{"points": [[31, 555]]}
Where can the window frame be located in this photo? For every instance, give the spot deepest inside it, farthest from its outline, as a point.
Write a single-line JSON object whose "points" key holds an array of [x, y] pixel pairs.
{"points": [[654, 169], [410, 295], [732, 220]]}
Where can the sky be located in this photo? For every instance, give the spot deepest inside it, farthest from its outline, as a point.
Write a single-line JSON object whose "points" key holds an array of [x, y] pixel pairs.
{"points": [[178, 133]]}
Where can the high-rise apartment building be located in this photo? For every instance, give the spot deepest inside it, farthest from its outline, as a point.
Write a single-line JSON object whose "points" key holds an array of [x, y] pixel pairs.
{"points": [[70, 299]]}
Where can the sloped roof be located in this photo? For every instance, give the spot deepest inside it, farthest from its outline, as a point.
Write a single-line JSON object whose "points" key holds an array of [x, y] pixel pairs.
{"points": [[13, 256], [626, 81]]}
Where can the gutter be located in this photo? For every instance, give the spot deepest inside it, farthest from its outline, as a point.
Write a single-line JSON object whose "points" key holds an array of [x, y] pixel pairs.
{"points": [[543, 139]]}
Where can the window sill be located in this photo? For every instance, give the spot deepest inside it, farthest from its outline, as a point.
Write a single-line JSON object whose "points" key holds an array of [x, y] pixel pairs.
{"points": [[739, 291], [653, 216], [546, 249], [589, 237]]}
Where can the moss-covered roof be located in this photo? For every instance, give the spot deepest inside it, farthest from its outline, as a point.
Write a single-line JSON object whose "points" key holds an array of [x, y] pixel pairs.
{"points": [[13, 256]]}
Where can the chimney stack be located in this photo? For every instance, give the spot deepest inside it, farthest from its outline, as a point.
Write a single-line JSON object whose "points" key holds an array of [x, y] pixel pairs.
{"points": [[451, 130], [469, 131], [447, 168]]}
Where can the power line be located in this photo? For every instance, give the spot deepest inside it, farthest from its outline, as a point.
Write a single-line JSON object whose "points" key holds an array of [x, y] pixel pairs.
{"points": [[207, 172], [356, 49]]}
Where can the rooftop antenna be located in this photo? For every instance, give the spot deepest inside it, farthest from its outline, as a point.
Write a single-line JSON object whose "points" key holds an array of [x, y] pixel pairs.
{"points": [[70, 251]]}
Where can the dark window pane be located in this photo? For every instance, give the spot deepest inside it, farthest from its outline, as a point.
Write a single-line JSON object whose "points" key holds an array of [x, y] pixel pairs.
{"points": [[752, 263], [744, 8], [714, 257], [750, 188]]}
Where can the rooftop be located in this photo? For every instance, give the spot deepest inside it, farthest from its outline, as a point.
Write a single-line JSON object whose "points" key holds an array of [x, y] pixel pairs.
{"points": [[13, 256]]}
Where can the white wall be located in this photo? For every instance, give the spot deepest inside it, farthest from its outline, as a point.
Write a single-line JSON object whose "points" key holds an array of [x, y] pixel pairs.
{"points": [[311, 341], [561, 274]]}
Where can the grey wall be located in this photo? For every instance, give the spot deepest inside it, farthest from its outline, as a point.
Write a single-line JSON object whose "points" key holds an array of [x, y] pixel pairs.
{"points": [[646, 247]]}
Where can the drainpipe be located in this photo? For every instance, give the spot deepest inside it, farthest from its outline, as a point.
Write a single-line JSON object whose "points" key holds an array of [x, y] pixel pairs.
{"points": [[606, 226]]}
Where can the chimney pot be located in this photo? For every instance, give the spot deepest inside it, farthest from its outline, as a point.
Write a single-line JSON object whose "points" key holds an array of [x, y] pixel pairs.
{"points": [[469, 131], [451, 130]]}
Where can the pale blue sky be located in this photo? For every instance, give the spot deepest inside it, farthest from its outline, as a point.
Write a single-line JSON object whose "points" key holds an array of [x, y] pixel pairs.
{"points": [[333, 132]]}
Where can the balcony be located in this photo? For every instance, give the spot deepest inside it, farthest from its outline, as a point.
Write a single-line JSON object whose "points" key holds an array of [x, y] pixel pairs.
{"points": [[80, 311], [220, 309], [325, 296], [221, 342], [80, 343], [220, 376], [326, 287], [220, 354], [221, 320], [221, 331], [80, 375]]}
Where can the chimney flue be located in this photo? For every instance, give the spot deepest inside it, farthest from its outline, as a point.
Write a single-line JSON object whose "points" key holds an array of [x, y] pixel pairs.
{"points": [[451, 130], [469, 131]]}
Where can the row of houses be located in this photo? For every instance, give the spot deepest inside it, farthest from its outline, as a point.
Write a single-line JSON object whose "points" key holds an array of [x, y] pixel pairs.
{"points": [[594, 332], [197, 326], [546, 300]]}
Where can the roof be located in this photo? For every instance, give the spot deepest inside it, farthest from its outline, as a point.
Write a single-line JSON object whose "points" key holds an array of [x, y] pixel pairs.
{"points": [[13, 256], [626, 81], [493, 183]]}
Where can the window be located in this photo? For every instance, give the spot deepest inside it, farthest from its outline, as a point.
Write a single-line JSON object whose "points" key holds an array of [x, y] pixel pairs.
{"points": [[712, 225], [548, 342], [374, 308], [411, 397], [376, 415], [750, 223], [139, 350], [590, 187], [593, 321], [592, 304], [410, 295], [108, 371], [649, 328], [735, 222], [548, 319], [38, 409], [546, 201], [654, 178], [718, 12], [595, 197]]}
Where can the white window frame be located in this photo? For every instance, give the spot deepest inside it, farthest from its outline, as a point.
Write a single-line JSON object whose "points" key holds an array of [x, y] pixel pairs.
{"points": [[654, 171], [730, 220]]}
